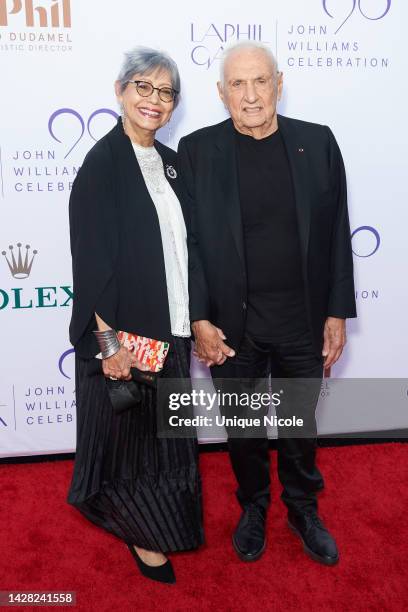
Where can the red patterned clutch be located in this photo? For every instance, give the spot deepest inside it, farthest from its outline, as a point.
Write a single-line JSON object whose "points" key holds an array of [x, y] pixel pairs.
{"points": [[146, 350]]}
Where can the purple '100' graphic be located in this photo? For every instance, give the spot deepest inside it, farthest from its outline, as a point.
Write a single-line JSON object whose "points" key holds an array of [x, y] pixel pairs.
{"points": [[74, 113], [361, 6]]}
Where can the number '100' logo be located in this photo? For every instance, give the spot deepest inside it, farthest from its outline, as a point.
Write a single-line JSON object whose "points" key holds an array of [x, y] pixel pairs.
{"points": [[362, 6]]}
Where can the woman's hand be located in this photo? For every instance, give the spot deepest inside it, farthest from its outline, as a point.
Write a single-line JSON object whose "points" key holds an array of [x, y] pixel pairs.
{"points": [[118, 366]]}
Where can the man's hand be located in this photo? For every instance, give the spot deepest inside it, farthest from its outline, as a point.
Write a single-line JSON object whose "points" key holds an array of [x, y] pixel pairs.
{"points": [[334, 340], [210, 347]]}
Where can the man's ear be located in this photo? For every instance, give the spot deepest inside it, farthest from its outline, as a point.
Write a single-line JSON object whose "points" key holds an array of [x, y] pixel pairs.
{"points": [[280, 85], [220, 91]]}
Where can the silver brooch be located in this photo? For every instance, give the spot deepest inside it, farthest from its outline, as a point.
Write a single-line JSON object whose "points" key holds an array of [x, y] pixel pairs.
{"points": [[171, 172]]}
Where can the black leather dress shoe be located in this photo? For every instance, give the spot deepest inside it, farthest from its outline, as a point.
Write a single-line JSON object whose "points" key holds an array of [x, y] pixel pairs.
{"points": [[317, 541], [249, 537]]}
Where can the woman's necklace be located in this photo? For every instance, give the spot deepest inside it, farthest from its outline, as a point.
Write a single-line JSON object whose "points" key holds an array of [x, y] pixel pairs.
{"points": [[150, 163]]}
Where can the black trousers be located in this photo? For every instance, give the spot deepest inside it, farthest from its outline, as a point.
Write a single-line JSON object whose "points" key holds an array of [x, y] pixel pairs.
{"points": [[291, 359]]}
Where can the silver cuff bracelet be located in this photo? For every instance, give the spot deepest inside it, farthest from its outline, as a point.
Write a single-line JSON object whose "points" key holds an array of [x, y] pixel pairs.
{"points": [[108, 342]]}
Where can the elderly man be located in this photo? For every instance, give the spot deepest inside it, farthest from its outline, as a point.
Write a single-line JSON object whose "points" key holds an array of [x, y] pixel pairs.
{"points": [[271, 274]]}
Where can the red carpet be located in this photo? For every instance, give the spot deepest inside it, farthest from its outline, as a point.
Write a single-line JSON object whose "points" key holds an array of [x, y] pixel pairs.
{"points": [[47, 545]]}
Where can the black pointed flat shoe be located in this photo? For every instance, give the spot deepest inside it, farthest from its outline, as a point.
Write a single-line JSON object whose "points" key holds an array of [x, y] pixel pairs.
{"points": [[159, 573]]}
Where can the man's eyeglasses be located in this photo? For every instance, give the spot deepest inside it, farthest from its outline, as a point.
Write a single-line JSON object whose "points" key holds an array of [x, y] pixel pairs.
{"points": [[145, 89]]}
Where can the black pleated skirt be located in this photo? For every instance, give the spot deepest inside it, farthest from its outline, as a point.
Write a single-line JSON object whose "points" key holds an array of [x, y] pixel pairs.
{"points": [[144, 489]]}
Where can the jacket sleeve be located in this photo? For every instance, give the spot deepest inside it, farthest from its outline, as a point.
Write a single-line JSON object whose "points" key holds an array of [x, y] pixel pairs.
{"points": [[93, 237], [342, 303], [198, 287]]}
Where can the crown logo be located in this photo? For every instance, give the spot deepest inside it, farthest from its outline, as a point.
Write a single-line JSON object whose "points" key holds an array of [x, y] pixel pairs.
{"points": [[20, 267]]}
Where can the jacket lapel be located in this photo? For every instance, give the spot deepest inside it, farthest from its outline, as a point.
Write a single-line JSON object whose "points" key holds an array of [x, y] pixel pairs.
{"points": [[126, 162], [227, 175], [298, 163], [131, 185], [171, 174]]}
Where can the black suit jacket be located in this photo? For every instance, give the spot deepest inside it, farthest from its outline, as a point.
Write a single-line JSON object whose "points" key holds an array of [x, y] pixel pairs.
{"points": [[218, 284], [117, 254]]}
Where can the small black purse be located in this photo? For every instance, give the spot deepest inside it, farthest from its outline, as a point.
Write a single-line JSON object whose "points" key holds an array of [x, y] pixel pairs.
{"points": [[124, 394]]}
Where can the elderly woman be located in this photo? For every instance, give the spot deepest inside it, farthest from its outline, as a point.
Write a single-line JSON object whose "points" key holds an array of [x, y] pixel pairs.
{"points": [[128, 244]]}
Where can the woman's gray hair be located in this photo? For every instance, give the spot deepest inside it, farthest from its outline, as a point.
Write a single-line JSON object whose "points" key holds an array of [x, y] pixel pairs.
{"points": [[144, 61], [248, 44]]}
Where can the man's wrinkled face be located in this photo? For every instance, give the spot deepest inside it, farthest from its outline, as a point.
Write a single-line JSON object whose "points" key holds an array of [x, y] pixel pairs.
{"points": [[251, 89]]}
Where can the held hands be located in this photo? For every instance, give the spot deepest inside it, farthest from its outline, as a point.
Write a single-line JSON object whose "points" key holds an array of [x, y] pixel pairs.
{"points": [[118, 366], [334, 336], [210, 347]]}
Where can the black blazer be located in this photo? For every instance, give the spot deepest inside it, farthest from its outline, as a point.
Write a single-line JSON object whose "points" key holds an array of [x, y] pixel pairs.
{"points": [[217, 268], [117, 254]]}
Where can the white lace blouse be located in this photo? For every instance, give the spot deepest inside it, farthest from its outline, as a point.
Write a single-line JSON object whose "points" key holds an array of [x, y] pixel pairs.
{"points": [[173, 233]]}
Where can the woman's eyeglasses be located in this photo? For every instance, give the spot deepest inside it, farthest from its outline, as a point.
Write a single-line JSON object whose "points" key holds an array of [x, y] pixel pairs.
{"points": [[145, 89]]}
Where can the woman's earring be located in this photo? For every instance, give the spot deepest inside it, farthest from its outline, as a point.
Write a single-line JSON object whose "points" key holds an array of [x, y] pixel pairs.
{"points": [[170, 133], [122, 112]]}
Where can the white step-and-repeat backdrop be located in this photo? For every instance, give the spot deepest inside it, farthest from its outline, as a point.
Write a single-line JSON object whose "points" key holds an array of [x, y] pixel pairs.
{"points": [[344, 64]]}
